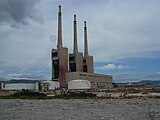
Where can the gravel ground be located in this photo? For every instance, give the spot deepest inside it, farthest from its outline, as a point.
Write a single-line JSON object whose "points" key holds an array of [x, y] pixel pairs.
{"points": [[90, 109]]}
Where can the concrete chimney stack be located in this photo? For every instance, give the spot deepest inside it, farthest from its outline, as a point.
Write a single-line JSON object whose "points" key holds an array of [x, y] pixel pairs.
{"points": [[75, 47], [85, 40], [59, 45]]}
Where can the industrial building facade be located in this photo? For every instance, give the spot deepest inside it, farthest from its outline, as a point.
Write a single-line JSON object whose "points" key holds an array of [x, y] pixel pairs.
{"points": [[15, 85], [97, 81], [76, 65]]}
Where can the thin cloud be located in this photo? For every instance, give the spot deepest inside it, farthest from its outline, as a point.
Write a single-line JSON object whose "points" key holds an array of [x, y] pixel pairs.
{"points": [[1, 62], [114, 67], [53, 38], [133, 77], [153, 76]]}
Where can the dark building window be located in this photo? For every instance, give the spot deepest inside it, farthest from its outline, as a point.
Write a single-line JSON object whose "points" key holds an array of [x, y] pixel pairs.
{"points": [[72, 58], [56, 69], [85, 68], [56, 72], [55, 54], [39, 86], [73, 67], [84, 62]]}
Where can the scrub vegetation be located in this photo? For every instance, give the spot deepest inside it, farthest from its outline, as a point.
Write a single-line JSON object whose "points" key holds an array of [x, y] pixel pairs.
{"points": [[28, 94], [79, 95]]}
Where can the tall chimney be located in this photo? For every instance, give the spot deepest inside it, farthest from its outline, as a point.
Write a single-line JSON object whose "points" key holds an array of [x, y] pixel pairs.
{"points": [[59, 28], [85, 40], [75, 47]]}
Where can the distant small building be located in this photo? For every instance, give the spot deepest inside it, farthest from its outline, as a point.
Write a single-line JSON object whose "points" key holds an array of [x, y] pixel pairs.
{"points": [[34, 85], [48, 85], [20, 86], [2, 85], [131, 86]]}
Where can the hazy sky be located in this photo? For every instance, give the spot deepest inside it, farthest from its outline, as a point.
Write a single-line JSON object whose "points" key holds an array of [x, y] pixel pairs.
{"points": [[124, 36]]}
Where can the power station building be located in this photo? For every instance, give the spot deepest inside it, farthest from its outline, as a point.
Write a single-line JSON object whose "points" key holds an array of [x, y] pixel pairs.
{"points": [[76, 66]]}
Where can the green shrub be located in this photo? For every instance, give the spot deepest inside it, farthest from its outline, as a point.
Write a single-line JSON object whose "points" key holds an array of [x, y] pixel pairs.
{"points": [[28, 93], [73, 95]]}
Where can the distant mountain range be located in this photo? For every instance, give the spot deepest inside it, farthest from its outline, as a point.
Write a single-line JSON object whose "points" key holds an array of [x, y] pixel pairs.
{"points": [[33, 81], [21, 81], [153, 82], [149, 82]]}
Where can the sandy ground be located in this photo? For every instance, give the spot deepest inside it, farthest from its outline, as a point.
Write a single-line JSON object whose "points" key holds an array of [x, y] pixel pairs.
{"points": [[91, 109]]}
